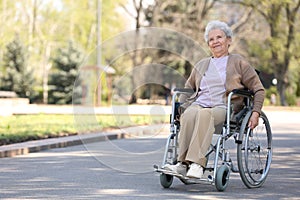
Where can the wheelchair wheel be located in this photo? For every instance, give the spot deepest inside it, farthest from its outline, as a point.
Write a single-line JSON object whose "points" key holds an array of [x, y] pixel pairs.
{"points": [[166, 180], [222, 178], [254, 152]]}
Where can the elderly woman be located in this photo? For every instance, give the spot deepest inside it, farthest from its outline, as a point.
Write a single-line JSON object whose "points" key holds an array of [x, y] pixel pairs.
{"points": [[212, 79]]}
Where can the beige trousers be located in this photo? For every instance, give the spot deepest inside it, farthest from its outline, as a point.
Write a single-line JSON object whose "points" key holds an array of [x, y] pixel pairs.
{"points": [[196, 131]]}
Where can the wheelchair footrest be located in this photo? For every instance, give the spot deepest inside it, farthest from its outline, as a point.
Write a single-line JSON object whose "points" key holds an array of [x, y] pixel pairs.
{"points": [[206, 178]]}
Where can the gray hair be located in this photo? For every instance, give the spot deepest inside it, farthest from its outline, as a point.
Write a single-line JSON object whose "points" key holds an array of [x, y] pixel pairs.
{"points": [[217, 25]]}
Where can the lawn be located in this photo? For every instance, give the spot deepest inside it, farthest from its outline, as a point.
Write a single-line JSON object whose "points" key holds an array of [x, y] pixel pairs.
{"points": [[21, 128]]}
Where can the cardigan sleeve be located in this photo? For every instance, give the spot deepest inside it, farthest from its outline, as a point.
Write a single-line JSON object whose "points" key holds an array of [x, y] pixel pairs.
{"points": [[191, 84], [250, 80]]}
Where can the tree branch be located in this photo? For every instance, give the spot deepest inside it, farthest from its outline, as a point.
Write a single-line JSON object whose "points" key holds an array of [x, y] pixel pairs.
{"points": [[243, 21], [127, 11]]}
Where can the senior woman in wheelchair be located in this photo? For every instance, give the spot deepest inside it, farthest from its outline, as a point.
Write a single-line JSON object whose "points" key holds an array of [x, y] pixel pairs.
{"points": [[212, 79]]}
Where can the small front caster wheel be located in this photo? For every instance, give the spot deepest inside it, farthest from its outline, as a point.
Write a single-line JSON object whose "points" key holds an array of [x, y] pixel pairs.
{"points": [[166, 180], [222, 178]]}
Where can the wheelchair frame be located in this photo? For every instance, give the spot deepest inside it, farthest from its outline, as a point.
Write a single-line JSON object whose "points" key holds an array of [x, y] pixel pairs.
{"points": [[254, 147]]}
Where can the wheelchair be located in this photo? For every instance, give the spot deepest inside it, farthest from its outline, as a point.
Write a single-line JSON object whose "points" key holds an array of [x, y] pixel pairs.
{"points": [[253, 147]]}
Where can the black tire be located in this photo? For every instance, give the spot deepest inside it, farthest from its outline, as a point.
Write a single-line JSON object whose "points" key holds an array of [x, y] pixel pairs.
{"points": [[222, 178], [254, 152], [166, 180]]}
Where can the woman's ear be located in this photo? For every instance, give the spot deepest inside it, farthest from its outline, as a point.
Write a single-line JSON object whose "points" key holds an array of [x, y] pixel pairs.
{"points": [[229, 41]]}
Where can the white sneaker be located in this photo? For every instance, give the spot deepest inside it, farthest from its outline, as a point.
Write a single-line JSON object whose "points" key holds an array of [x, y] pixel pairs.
{"points": [[178, 168], [195, 171]]}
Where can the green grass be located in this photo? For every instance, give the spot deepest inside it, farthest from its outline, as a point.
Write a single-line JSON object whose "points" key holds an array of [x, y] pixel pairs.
{"points": [[21, 128]]}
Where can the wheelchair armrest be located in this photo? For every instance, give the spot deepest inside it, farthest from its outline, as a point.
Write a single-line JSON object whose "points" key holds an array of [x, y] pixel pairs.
{"points": [[184, 90], [243, 92]]}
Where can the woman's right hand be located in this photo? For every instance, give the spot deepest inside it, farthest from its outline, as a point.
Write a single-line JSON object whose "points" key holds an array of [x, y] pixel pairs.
{"points": [[253, 121]]}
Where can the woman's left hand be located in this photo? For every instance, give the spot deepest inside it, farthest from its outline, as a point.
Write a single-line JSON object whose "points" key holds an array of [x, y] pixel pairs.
{"points": [[253, 121]]}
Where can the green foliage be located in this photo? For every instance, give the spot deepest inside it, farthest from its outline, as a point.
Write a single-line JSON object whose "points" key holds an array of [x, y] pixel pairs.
{"points": [[20, 128], [17, 75], [61, 81], [80, 18], [260, 55], [282, 20], [45, 26], [291, 99], [271, 93], [36, 23]]}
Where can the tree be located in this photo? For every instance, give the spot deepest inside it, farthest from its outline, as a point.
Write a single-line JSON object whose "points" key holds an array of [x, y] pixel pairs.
{"points": [[65, 70], [188, 16], [181, 16], [17, 75], [36, 22], [282, 18], [138, 15]]}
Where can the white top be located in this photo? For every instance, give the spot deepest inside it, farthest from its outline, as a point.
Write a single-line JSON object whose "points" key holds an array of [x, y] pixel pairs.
{"points": [[212, 86]]}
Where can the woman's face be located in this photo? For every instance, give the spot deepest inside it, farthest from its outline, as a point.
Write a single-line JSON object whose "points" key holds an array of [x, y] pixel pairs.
{"points": [[218, 43]]}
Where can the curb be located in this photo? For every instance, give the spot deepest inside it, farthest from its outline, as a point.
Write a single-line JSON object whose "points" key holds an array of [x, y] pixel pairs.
{"points": [[46, 144]]}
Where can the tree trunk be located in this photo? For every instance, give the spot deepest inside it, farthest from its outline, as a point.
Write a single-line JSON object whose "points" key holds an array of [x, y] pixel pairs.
{"points": [[138, 9], [281, 87]]}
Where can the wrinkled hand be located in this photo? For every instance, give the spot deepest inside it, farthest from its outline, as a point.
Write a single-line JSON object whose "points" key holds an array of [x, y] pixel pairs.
{"points": [[253, 121]]}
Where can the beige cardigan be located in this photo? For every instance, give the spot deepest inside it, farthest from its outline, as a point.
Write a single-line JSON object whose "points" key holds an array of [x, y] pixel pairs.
{"points": [[239, 74]]}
